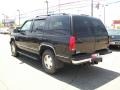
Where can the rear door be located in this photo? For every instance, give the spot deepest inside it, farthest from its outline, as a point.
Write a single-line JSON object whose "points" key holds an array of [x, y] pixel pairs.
{"points": [[101, 35], [83, 31], [36, 35], [57, 33]]}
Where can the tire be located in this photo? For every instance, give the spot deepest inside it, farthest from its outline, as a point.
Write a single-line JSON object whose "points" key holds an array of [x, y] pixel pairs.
{"points": [[49, 62], [14, 49]]}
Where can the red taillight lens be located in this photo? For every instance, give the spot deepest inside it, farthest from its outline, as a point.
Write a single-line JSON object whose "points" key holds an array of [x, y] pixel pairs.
{"points": [[72, 43]]}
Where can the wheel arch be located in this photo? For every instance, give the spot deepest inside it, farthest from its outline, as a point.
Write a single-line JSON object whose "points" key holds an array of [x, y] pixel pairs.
{"points": [[44, 47], [12, 39]]}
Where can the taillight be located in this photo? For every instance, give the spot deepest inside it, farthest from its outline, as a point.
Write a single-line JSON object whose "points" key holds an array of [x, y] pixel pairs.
{"points": [[72, 43]]}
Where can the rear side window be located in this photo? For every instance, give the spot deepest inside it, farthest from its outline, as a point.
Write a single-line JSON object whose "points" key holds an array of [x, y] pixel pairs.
{"points": [[38, 24], [81, 26], [99, 28], [59, 23]]}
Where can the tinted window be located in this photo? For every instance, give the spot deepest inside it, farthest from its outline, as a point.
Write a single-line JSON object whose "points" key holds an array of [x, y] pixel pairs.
{"points": [[99, 28], [26, 26], [59, 23], [38, 24], [81, 26]]}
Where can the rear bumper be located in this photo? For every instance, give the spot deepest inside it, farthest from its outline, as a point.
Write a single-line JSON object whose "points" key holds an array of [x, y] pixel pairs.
{"points": [[115, 43], [86, 58], [80, 59], [89, 60]]}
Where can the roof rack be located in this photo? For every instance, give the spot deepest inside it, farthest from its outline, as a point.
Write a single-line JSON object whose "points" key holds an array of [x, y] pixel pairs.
{"points": [[52, 14], [41, 16], [84, 15], [58, 14]]}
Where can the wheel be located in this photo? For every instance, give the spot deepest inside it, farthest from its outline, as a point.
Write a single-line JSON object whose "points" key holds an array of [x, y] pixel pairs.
{"points": [[49, 62], [14, 49]]}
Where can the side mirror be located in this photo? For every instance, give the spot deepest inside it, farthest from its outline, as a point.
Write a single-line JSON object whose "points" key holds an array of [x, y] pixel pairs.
{"points": [[17, 29]]}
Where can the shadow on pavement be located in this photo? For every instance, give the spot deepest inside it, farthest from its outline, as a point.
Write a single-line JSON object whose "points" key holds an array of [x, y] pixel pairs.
{"points": [[85, 78]]}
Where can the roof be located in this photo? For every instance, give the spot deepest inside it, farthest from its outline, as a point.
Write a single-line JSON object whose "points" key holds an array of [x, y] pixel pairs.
{"points": [[63, 14]]}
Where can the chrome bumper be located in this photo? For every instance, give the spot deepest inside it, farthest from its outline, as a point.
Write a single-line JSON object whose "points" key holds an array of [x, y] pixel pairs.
{"points": [[89, 60], [80, 61]]}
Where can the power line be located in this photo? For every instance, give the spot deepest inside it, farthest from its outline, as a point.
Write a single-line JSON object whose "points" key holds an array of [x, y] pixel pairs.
{"points": [[69, 5], [72, 8], [113, 2], [64, 4]]}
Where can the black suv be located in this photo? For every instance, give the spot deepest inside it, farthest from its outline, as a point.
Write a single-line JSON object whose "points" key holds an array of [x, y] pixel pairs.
{"points": [[74, 39]]}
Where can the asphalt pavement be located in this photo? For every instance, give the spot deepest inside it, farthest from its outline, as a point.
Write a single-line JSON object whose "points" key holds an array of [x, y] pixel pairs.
{"points": [[23, 73]]}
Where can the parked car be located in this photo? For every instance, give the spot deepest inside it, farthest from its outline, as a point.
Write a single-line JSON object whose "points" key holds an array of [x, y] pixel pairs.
{"points": [[115, 37], [4, 31], [58, 39]]}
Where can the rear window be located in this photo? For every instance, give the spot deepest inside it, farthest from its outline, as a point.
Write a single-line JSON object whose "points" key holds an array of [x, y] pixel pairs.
{"points": [[99, 27], [81, 26]]}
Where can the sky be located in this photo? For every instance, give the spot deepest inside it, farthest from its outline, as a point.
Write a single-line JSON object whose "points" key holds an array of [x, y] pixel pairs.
{"points": [[9, 7]]}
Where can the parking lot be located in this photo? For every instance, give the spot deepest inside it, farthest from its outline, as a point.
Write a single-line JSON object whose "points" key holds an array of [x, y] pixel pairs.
{"points": [[23, 73]]}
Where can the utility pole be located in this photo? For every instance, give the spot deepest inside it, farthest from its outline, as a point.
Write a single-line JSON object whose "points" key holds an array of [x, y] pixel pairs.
{"points": [[104, 13], [91, 7], [4, 19], [104, 6], [19, 16], [47, 6], [59, 5]]}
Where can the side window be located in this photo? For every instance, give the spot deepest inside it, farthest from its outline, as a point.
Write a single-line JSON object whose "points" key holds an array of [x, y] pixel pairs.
{"points": [[39, 25], [99, 28], [59, 23], [26, 26], [81, 26]]}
